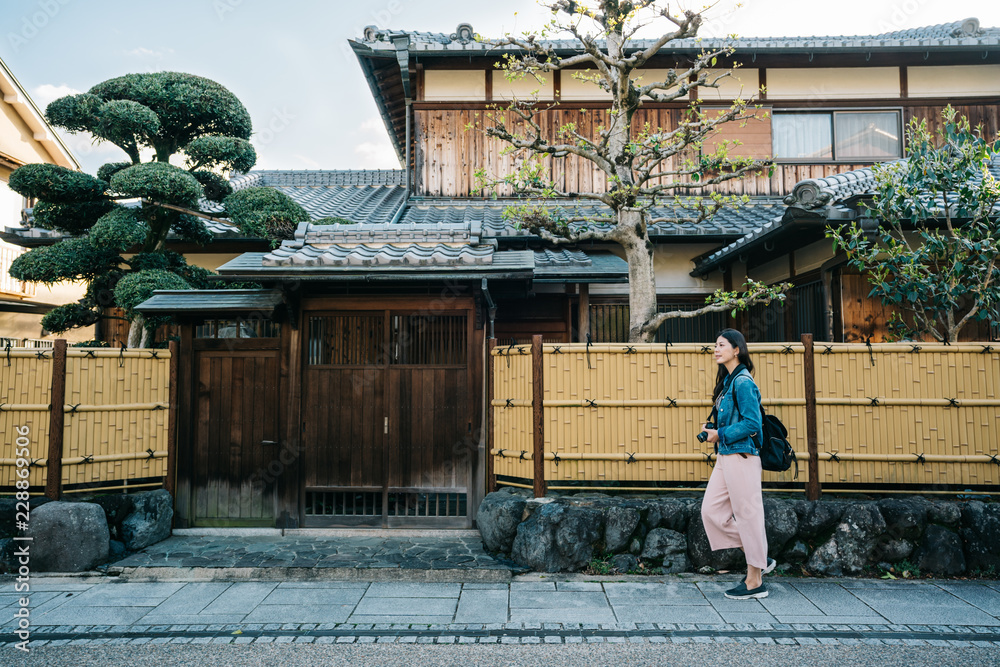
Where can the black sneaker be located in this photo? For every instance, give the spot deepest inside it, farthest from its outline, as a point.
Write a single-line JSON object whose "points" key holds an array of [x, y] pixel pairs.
{"points": [[742, 593]]}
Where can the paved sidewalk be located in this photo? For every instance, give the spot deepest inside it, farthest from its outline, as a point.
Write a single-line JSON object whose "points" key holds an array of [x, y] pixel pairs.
{"points": [[322, 554], [532, 608]]}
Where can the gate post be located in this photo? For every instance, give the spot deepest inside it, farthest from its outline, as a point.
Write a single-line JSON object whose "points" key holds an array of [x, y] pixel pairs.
{"points": [[57, 416], [813, 489], [538, 417], [491, 475], [170, 482]]}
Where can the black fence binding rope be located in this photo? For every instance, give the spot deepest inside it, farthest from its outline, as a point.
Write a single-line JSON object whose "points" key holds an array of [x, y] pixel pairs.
{"points": [[7, 349], [153, 354], [557, 349], [871, 352], [631, 457], [994, 459], [40, 355], [73, 408], [787, 350], [88, 458], [952, 402], [500, 452], [666, 349], [915, 349], [555, 457], [705, 349], [873, 402], [509, 403], [591, 403], [121, 355], [671, 402], [630, 350], [827, 349], [708, 459], [834, 457], [987, 349], [589, 343], [523, 452], [920, 458], [151, 453]]}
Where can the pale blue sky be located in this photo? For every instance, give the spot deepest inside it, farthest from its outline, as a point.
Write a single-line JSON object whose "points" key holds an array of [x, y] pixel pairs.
{"points": [[291, 67]]}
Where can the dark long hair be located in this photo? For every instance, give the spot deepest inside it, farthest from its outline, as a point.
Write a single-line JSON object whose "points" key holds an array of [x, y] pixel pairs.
{"points": [[737, 340]]}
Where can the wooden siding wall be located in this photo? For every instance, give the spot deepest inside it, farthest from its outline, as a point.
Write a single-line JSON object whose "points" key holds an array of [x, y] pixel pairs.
{"points": [[451, 147], [624, 414], [115, 423]]}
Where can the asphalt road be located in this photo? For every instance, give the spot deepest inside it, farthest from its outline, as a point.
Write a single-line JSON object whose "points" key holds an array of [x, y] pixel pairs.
{"points": [[592, 655]]}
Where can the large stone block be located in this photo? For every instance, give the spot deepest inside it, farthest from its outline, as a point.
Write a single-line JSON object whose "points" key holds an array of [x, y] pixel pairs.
{"points": [[667, 548], [68, 537], [905, 518], [116, 506], [497, 518], [700, 551], [940, 552], [981, 535], [621, 521], [150, 519], [558, 538], [849, 550], [781, 523], [817, 517]]}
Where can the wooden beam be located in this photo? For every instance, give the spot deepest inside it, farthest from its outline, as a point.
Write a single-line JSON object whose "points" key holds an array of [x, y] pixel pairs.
{"points": [[583, 317], [491, 475], [53, 472], [170, 483], [813, 489], [538, 416]]}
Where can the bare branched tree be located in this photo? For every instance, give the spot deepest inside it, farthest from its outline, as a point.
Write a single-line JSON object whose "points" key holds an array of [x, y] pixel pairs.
{"points": [[645, 167]]}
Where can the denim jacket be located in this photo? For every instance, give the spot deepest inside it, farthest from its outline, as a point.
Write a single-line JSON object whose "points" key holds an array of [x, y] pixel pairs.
{"points": [[739, 433]]}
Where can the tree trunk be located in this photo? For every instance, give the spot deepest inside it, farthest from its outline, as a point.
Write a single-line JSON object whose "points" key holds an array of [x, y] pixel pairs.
{"points": [[641, 276], [135, 332]]}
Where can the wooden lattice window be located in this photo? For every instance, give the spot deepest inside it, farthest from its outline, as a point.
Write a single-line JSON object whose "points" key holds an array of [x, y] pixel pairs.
{"points": [[346, 340]]}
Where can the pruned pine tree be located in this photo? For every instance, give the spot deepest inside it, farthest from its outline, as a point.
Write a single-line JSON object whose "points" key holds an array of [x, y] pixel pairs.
{"points": [[931, 253], [645, 167], [131, 206]]}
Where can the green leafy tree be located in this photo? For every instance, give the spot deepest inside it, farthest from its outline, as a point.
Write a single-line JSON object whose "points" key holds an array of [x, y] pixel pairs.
{"points": [[168, 116], [645, 166], [932, 254]]}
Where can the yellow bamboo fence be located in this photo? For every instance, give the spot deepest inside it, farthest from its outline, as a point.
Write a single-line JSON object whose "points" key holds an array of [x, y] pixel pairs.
{"points": [[112, 430], [626, 416]]}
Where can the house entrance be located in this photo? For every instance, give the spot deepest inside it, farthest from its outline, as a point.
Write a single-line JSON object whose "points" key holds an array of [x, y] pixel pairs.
{"points": [[236, 425], [387, 418]]}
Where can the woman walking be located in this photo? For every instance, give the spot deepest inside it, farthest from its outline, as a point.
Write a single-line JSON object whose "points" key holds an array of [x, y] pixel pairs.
{"points": [[733, 507]]}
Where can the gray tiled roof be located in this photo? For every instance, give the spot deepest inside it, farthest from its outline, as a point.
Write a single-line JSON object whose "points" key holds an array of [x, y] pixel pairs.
{"points": [[728, 222], [380, 255], [562, 265], [825, 197], [967, 33], [511, 263], [171, 301]]}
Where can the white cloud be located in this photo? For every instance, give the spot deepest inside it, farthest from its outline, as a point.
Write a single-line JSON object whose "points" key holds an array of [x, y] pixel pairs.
{"points": [[308, 162], [373, 124], [47, 92], [376, 155], [143, 52]]}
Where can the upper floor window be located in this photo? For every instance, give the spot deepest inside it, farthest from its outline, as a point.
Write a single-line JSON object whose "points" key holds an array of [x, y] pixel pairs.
{"points": [[837, 136]]}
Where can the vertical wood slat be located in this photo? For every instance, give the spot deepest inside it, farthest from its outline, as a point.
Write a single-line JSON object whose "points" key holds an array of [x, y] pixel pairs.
{"points": [[491, 473], [53, 482], [538, 415], [813, 488], [175, 360]]}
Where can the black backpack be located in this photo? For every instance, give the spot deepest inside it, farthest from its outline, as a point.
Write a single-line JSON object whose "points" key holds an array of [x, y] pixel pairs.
{"points": [[776, 454]]}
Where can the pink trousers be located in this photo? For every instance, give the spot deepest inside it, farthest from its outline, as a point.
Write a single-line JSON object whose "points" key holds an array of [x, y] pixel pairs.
{"points": [[733, 508]]}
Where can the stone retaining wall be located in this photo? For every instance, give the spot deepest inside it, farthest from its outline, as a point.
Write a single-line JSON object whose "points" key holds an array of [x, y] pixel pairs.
{"points": [[826, 537], [80, 535]]}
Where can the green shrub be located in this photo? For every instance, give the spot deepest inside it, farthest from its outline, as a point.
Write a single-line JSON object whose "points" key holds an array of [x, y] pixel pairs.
{"points": [[70, 218], [119, 230], [158, 181], [254, 209], [139, 286], [52, 183]]}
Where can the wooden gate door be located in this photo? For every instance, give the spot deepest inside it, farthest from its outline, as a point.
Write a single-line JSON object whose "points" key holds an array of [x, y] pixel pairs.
{"points": [[386, 411], [236, 433]]}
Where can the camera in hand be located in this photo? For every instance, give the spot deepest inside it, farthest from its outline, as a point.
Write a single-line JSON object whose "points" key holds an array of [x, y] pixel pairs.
{"points": [[703, 437]]}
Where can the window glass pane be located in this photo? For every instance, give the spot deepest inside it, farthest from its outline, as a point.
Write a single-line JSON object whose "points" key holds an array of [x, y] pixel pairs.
{"points": [[872, 135], [802, 136]]}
